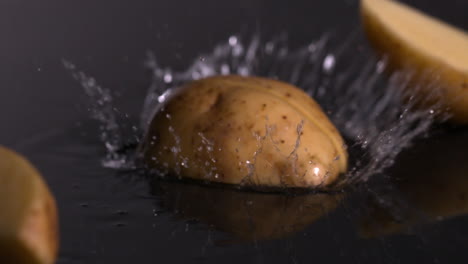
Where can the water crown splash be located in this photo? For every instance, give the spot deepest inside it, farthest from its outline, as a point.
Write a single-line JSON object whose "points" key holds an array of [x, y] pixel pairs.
{"points": [[376, 114]]}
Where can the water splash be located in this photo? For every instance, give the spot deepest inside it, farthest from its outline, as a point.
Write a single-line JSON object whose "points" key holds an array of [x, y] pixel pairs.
{"points": [[102, 109], [376, 114]]}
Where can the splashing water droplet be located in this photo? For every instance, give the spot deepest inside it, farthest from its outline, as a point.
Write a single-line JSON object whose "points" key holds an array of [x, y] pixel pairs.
{"points": [[102, 109], [381, 66], [329, 63], [167, 78], [233, 40], [163, 97], [269, 47]]}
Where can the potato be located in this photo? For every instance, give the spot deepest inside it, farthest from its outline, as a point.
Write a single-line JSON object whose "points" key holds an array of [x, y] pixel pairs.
{"points": [[432, 179], [245, 215], [245, 130], [435, 52], [28, 221]]}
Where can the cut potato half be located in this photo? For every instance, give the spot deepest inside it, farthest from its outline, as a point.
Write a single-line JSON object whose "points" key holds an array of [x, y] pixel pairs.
{"points": [[434, 51], [28, 214], [247, 131]]}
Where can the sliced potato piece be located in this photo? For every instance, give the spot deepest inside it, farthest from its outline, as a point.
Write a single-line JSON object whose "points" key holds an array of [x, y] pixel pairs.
{"points": [[28, 214], [432, 50], [245, 130]]}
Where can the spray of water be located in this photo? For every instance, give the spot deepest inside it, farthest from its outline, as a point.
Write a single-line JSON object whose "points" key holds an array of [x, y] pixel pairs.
{"points": [[374, 112], [101, 108]]}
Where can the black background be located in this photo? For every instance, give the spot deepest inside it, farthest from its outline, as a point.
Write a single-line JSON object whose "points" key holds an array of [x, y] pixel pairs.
{"points": [[109, 39]]}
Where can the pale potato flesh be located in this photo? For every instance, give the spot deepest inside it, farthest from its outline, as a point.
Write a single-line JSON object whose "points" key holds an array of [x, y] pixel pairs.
{"points": [[244, 130], [28, 221], [435, 51]]}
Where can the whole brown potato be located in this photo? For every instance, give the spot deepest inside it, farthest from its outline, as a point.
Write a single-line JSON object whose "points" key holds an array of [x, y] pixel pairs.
{"points": [[245, 130]]}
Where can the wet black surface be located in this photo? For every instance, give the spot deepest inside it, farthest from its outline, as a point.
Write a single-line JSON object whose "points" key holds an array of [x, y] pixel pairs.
{"points": [[415, 216]]}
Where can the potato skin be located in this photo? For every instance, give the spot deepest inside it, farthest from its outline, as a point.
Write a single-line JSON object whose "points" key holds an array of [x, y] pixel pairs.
{"points": [[451, 83], [244, 130], [29, 220]]}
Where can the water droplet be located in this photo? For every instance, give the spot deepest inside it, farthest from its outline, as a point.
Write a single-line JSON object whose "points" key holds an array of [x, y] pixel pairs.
{"points": [[269, 47], [156, 212], [328, 63], [167, 78], [244, 71], [195, 75], [237, 51], [312, 47], [233, 40], [163, 97], [175, 150], [380, 66]]}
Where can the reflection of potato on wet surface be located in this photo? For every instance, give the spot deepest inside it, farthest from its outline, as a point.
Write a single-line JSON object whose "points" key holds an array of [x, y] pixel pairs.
{"points": [[435, 52], [431, 180], [28, 216], [246, 215], [245, 130]]}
